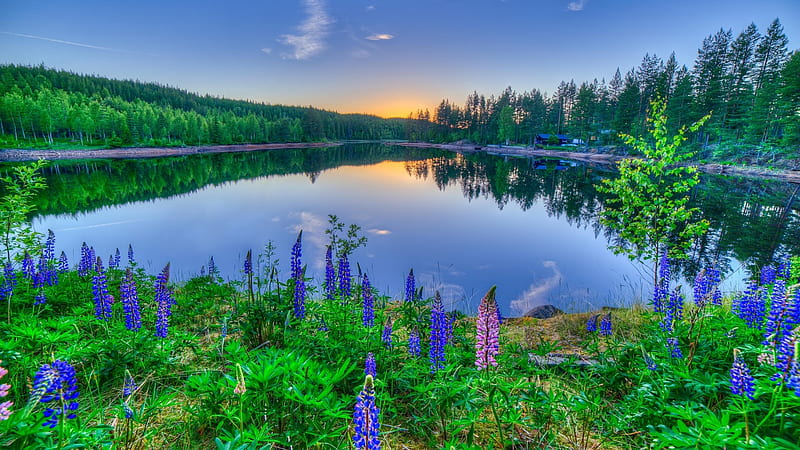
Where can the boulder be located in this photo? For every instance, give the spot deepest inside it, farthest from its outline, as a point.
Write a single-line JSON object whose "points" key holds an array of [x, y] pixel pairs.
{"points": [[544, 312]]}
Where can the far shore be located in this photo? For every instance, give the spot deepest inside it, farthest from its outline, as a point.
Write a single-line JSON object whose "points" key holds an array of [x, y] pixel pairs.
{"points": [[15, 155]]}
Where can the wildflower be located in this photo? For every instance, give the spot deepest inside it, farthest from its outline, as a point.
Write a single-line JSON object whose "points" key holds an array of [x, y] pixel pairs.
{"points": [[777, 324], [742, 383], [750, 306], [130, 301], [674, 348], [673, 311], [102, 299], [344, 276], [248, 263], [488, 331], [117, 258], [85, 263], [605, 325], [330, 275], [323, 326], [414, 343], [28, 268], [212, 268], [365, 418], [768, 274], [164, 302], [9, 281], [56, 383], [591, 324], [651, 365], [661, 288], [299, 282], [369, 366], [5, 410], [438, 334], [386, 335], [368, 310], [784, 356], [129, 387], [411, 288], [785, 267], [49, 251], [63, 263], [240, 388], [40, 298], [131, 261], [450, 319]]}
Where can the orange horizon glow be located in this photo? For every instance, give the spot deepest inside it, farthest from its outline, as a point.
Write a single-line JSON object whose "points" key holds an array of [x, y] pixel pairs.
{"points": [[395, 106]]}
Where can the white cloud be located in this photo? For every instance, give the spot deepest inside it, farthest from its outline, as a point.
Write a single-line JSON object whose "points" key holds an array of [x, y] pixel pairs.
{"points": [[313, 30], [537, 293], [360, 53], [379, 232], [577, 5], [370, 8], [379, 37], [266, 50]]}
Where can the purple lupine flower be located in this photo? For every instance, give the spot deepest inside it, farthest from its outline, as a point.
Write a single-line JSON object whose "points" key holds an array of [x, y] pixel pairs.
{"points": [[436, 351], [768, 274], [322, 325], [499, 316], [591, 324], [49, 251], [28, 269], [488, 332], [5, 407], [370, 368], [85, 263], [794, 377], [784, 267], [368, 309], [56, 383], [129, 387], [130, 301], [102, 299], [40, 273], [212, 268], [674, 347], [605, 325], [9, 281], [714, 280], [131, 261], [414, 343], [386, 335], [248, 263], [750, 305], [450, 319], [111, 261], [63, 263], [651, 365], [706, 287], [661, 288], [366, 418], [330, 275], [411, 286], [92, 258], [299, 283], [673, 310], [164, 301], [777, 325], [784, 356], [344, 276], [742, 383], [40, 298], [117, 258]]}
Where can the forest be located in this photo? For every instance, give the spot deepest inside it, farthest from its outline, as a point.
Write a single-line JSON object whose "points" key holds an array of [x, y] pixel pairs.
{"points": [[750, 84]]}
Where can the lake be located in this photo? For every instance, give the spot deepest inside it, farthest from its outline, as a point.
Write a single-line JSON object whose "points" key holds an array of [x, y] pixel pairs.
{"points": [[463, 223]]}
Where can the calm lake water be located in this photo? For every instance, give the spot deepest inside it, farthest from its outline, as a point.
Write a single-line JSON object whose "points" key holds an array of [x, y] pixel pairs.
{"points": [[463, 223]]}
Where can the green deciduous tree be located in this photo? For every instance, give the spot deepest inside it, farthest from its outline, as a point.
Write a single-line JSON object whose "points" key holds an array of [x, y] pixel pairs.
{"points": [[16, 205]]}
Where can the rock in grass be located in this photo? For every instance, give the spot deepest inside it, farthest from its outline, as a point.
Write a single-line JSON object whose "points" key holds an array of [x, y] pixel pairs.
{"points": [[544, 312]]}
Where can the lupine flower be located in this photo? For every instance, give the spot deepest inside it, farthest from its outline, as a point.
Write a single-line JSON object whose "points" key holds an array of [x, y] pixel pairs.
{"points": [[299, 282], [130, 301], [768, 274], [499, 316], [40, 274], [785, 267], [750, 306], [793, 313], [438, 334], [661, 288], [674, 347], [129, 387], [344, 276], [366, 418], [591, 324], [5, 410], [56, 383], [117, 258], [49, 251], [784, 356], [450, 319], [794, 378], [368, 309], [85, 263], [386, 335], [777, 325], [63, 263], [488, 332], [40, 298], [164, 301], [323, 326], [605, 325], [28, 268], [9, 281], [102, 299], [212, 268], [414, 343], [411, 286], [370, 367], [702, 288], [651, 365], [92, 258], [742, 383], [714, 279], [330, 275], [248, 263], [131, 261], [673, 311]]}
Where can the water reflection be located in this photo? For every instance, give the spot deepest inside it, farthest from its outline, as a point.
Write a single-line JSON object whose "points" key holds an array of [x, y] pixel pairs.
{"points": [[462, 222]]}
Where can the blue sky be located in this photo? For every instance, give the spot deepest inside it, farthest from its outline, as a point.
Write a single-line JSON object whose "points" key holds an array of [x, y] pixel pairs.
{"points": [[386, 57]]}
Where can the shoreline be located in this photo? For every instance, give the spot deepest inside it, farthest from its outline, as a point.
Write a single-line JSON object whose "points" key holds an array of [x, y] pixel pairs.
{"points": [[19, 155]]}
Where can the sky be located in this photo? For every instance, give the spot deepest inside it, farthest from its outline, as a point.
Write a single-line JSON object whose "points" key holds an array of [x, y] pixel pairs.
{"points": [[383, 57]]}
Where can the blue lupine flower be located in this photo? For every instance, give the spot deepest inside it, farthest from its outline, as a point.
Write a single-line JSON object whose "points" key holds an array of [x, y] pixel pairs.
{"points": [[499, 316], [49, 251], [784, 356], [794, 377], [130, 301], [714, 279], [212, 268], [742, 383], [131, 261], [386, 335], [777, 325], [591, 324], [56, 383], [673, 311], [9, 281], [85, 263], [63, 263], [784, 267], [330, 275], [674, 347], [706, 287], [102, 299], [322, 325], [40, 274], [450, 319], [605, 325], [414, 343], [368, 310], [40, 298], [366, 418], [299, 282], [438, 334], [248, 263], [129, 387], [117, 258], [750, 305], [411, 286], [768, 274], [661, 288], [344, 276], [370, 368], [28, 269], [92, 258], [651, 365], [164, 302]]}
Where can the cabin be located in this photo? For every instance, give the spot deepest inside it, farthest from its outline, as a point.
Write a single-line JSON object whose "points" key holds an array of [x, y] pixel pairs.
{"points": [[544, 139]]}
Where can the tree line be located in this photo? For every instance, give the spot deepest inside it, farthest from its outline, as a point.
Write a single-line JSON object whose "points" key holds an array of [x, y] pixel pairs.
{"points": [[749, 83]]}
